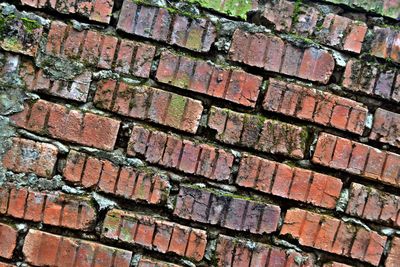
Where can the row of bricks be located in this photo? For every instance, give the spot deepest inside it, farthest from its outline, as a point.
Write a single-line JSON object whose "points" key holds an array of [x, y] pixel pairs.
{"points": [[55, 209], [128, 182]]}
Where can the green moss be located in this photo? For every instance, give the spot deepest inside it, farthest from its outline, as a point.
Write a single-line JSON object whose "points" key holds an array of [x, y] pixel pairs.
{"points": [[30, 25], [296, 11], [235, 8], [176, 109], [11, 44]]}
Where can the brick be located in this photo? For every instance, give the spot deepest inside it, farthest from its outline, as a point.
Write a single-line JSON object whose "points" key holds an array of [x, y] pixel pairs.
{"points": [[181, 154], [30, 156], [324, 108], [257, 132], [392, 259], [385, 43], [226, 211], [327, 233], [137, 184], [148, 103], [311, 63], [357, 158], [203, 77], [8, 240], [230, 7], [45, 249], [385, 128], [94, 10], [372, 79], [2, 264], [58, 122], [156, 23], [100, 50], [232, 251], [56, 209], [374, 205], [148, 231], [288, 182], [336, 264], [29, 31], [149, 262]]}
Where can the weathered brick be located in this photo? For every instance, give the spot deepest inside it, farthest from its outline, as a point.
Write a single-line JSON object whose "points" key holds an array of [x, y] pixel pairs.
{"points": [[333, 235], [149, 262], [336, 264], [225, 210], [372, 79], [8, 241], [393, 259], [288, 182], [386, 127], [94, 10], [336, 31], [232, 251], [385, 43], [55, 209], [148, 103], [233, 8], [101, 50], [154, 233], [184, 155], [197, 34], [311, 63], [316, 106], [257, 132], [148, 185], [57, 121], [29, 156], [2, 264], [203, 77], [356, 158], [45, 249]]}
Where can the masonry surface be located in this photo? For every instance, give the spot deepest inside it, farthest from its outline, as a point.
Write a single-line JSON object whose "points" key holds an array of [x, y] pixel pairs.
{"points": [[172, 133]]}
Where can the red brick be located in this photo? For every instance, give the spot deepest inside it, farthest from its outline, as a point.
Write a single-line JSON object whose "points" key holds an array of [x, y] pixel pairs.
{"points": [[385, 128], [69, 125], [336, 264], [310, 63], [182, 240], [357, 158], [259, 133], [30, 156], [393, 259], [45, 249], [226, 211], [163, 25], [149, 262], [385, 43], [232, 251], [303, 102], [8, 240], [149, 103], [199, 159], [327, 233]]}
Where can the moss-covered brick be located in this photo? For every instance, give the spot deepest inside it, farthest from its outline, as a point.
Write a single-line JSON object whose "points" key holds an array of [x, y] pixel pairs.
{"points": [[235, 8]]}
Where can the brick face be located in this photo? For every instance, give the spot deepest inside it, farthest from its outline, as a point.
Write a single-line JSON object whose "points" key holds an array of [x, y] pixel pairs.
{"points": [[123, 181], [392, 259], [148, 262], [155, 234], [386, 127], [148, 103], [197, 34], [274, 54], [226, 211], [45, 249], [333, 235], [385, 43], [257, 132], [8, 241], [75, 126], [357, 158], [288, 182], [323, 108]]}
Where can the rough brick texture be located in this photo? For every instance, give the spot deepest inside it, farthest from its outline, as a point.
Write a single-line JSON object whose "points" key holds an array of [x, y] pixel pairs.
{"points": [[71, 125], [148, 103], [8, 240], [45, 249], [288, 182], [29, 156], [226, 211], [387, 8], [323, 108], [200, 76], [274, 54], [148, 262], [386, 43], [386, 127], [124, 181], [181, 154], [393, 259], [356, 158], [257, 132], [239, 252], [156, 234], [197, 34], [333, 235], [55, 209]]}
